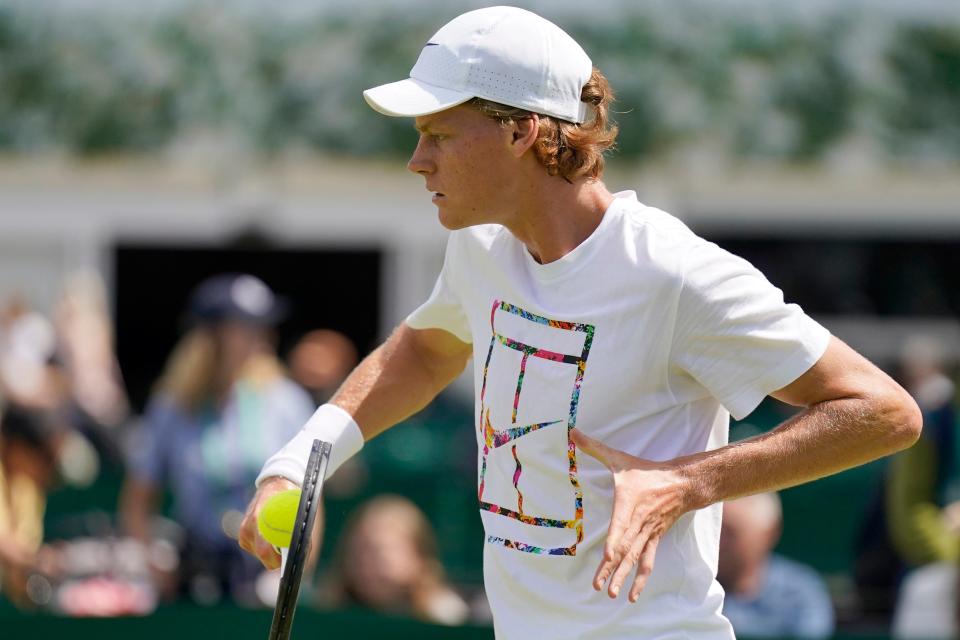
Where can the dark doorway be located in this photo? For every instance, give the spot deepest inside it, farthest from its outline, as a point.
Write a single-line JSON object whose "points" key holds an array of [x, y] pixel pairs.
{"points": [[870, 277], [326, 288]]}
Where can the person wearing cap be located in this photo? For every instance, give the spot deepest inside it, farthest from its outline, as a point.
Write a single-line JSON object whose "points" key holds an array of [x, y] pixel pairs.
{"points": [[221, 405], [610, 345]]}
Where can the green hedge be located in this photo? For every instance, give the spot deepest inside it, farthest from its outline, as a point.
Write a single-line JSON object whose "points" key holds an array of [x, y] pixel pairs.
{"points": [[761, 80], [228, 622], [189, 622]]}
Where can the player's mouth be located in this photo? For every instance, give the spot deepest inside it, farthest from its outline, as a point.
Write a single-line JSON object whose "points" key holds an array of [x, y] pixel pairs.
{"points": [[437, 196]]}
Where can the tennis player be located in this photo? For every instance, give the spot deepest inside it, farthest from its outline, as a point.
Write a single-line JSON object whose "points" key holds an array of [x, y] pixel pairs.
{"points": [[610, 345]]}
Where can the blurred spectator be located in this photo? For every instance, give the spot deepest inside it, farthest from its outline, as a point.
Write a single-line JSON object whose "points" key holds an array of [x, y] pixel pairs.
{"points": [[321, 360], [27, 470], [221, 407], [28, 377], [768, 595], [387, 561], [922, 478], [915, 518], [97, 399], [923, 504], [33, 376], [927, 604]]}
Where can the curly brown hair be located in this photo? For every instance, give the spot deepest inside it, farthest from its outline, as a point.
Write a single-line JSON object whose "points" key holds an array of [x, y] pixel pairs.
{"points": [[567, 149]]}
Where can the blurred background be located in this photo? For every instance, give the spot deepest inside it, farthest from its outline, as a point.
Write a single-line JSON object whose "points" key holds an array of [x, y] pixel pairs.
{"points": [[147, 149]]}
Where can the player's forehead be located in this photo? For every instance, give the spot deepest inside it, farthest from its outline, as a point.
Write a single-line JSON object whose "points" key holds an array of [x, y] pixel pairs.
{"points": [[458, 116]]}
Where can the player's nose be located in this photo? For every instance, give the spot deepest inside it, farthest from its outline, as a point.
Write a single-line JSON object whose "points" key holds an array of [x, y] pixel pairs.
{"points": [[420, 162]]}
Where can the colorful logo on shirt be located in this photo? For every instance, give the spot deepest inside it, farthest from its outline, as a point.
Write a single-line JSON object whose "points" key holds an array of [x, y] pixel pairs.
{"points": [[540, 363]]}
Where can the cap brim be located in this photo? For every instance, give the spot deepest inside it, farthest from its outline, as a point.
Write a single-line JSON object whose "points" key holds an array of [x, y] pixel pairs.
{"points": [[410, 98]]}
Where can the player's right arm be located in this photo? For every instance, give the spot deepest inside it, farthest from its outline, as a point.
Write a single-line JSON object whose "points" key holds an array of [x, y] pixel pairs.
{"points": [[395, 381], [401, 377]]}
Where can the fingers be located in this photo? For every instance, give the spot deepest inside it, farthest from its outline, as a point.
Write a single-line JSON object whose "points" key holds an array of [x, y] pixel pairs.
{"points": [[249, 538], [624, 528], [641, 553], [611, 560], [631, 541], [628, 561], [644, 568], [267, 554], [641, 514], [593, 447], [253, 543]]}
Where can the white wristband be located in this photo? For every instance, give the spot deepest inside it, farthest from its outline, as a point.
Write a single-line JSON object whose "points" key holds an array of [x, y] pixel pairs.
{"points": [[329, 423]]}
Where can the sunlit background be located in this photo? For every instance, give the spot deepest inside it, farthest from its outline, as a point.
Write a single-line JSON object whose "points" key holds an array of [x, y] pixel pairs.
{"points": [[145, 147]]}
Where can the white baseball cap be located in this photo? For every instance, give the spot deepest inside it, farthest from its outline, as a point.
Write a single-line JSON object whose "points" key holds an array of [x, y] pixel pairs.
{"points": [[503, 54]]}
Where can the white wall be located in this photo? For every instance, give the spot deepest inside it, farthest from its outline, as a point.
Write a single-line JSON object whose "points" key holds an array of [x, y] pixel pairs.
{"points": [[56, 218]]}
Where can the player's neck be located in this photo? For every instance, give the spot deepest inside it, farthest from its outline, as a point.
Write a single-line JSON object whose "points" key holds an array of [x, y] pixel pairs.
{"points": [[555, 217]]}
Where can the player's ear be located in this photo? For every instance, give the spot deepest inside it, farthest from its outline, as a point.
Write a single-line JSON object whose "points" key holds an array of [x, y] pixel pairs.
{"points": [[525, 132]]}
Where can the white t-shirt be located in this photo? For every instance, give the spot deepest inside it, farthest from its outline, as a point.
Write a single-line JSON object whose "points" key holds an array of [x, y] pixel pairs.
{"points": [[645, 336]]}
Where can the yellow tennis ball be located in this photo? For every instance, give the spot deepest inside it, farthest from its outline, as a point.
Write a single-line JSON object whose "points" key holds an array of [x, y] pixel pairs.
{"points": [[278, 516]]}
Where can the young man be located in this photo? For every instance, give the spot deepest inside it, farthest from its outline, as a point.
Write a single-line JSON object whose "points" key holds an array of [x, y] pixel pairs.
{"points": [[597, 326]]}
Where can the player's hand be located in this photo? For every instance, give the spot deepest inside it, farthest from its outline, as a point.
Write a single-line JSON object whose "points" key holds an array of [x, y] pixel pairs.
{"points": [[250, 538], [648, 498]]}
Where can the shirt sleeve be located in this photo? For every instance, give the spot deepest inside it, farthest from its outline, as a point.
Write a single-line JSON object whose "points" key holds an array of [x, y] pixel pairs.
{"points": [[443, 309], [735, 334]]}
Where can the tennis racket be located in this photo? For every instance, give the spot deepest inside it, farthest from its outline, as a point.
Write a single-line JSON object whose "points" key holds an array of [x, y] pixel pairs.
{"points": [[300, 541]]}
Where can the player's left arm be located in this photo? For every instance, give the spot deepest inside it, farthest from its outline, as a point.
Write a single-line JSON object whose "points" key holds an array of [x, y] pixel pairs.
{"points": [[853, 413]]}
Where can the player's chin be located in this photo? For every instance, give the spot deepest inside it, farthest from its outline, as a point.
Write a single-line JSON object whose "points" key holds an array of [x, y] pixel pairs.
{"points": [[449, 219]]}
